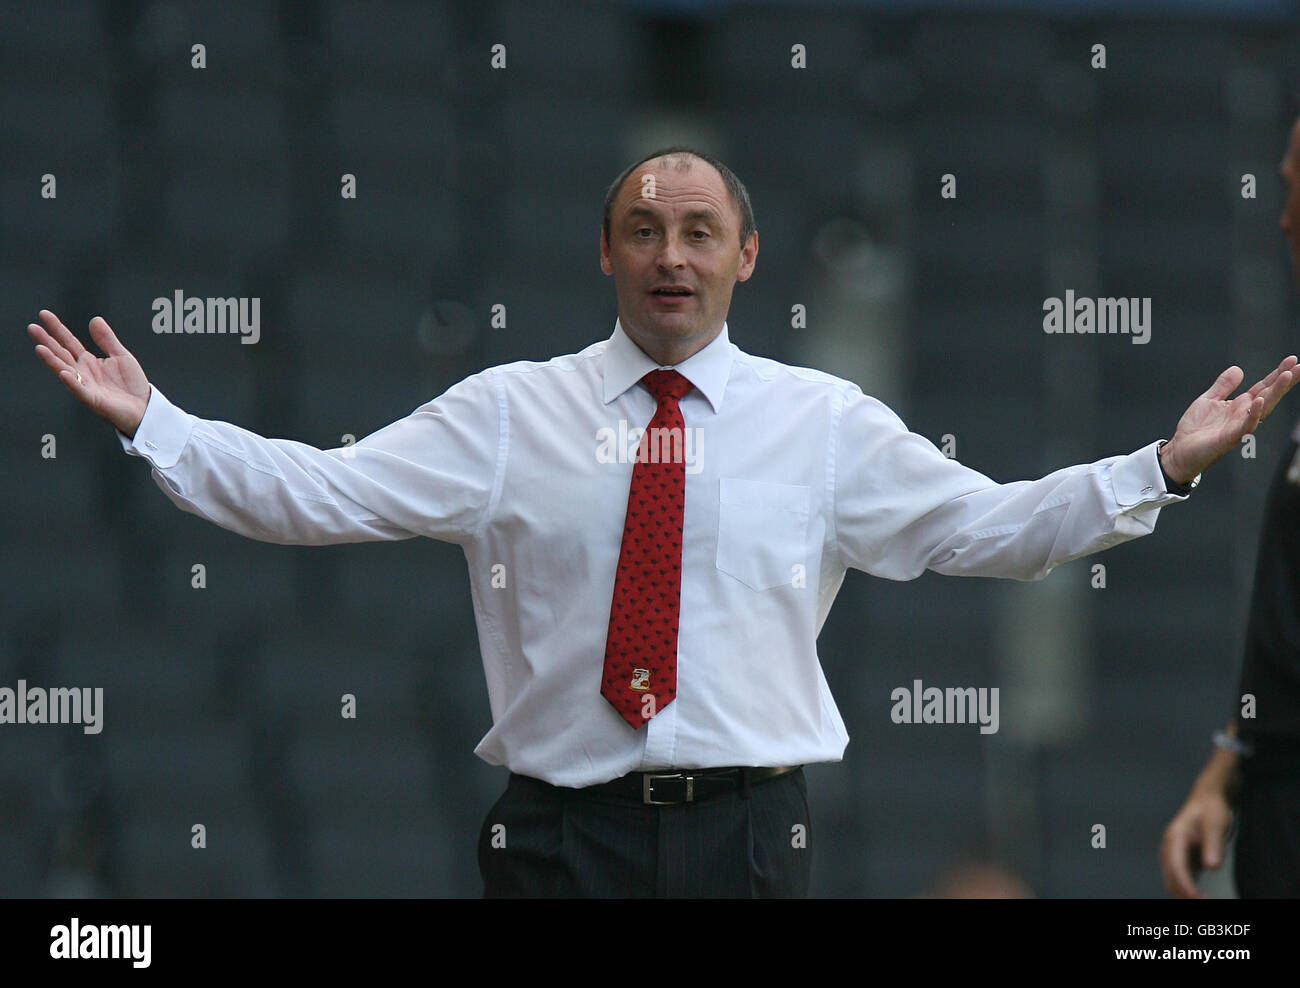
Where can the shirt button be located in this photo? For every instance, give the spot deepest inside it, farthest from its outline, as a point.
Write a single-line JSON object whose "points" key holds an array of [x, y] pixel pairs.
{"points": [[153, 445], [1147, 489]]}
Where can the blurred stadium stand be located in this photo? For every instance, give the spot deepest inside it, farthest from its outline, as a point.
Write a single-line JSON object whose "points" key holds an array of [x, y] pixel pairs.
{"points": [[479, 187]]}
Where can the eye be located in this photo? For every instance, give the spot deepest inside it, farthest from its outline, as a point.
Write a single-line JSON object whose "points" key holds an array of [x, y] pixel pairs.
{"points": [[644, 229], [700, 234]]}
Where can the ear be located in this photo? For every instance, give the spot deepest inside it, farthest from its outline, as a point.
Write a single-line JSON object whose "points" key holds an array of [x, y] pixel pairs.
{"points": [[605, 264], [748, 258]]}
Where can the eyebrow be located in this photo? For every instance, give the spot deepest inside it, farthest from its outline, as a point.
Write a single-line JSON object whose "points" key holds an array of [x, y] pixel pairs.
{"points": [[707, 215]]}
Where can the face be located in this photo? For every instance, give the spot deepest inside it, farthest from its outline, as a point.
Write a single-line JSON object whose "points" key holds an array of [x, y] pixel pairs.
{"points": [[674, 251], [1290, 218]]}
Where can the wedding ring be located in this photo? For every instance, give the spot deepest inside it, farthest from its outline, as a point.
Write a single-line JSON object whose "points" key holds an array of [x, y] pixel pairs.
{"points": [[78, 378]]}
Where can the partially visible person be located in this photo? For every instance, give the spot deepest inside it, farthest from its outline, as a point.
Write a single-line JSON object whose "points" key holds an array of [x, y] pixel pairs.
{"points": [[1253, 777]]}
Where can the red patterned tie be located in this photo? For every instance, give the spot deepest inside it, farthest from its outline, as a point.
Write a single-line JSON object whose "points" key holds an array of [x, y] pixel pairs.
{"points": [[640, 676]]}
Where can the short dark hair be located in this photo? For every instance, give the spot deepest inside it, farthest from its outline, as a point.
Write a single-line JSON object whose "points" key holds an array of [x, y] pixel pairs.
{"points": [[739, 194]]}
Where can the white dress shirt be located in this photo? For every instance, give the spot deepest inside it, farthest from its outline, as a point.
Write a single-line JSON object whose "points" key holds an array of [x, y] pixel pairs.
{"points": [[795, 476]]}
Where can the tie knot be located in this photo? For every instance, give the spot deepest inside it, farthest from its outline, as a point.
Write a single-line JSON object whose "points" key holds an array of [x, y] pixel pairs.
{"points": [[667, 384]]}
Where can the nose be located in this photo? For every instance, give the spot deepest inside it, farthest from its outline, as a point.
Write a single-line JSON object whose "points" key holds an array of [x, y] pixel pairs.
{"points": [[671, 255]]}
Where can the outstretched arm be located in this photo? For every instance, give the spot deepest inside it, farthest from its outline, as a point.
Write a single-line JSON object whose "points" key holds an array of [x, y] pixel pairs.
{"points": [[431, 473], [902, 507]]}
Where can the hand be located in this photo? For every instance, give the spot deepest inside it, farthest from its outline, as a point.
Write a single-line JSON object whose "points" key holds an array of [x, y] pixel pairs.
{"points": [[113, 387], [1194, 839], [1212, 426]]}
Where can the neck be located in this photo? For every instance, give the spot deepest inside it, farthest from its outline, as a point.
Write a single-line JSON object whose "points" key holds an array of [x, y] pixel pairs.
{"points": [[670, 352]]}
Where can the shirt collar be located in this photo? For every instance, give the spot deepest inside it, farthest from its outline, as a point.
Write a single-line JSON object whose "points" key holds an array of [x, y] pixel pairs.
{"points": [[625, 364]]}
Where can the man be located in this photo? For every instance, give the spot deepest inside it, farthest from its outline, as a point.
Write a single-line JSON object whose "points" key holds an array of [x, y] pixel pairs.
{"points": [[1256, 765], [648, 602]]}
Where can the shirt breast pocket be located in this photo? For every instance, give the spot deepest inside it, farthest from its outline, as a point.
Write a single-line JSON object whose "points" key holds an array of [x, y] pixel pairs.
{"points": [[762, 531]]}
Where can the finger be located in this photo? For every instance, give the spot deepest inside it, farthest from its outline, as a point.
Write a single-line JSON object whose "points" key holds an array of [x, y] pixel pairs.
{"points": [[77, 384], [1174, 869], [1256, 414], [38, 333], [1284, 383], [1211, 845], [1246, 413], [61, 333], [107, 340], [1263, 385], [1225, 384], [52, 360], [1275, 392], [1286, 365]]}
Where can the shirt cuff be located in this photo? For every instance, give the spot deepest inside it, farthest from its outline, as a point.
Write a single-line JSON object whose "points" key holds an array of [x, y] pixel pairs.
{"points": [[1137, 478], [162, 434]]}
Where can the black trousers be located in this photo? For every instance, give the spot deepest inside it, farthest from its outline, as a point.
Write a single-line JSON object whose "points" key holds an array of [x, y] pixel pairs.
{"points": [[1267, 857], [540, 840]]}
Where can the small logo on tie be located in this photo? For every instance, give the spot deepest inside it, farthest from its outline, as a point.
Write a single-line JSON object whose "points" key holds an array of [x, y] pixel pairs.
{"points": [[640, 679]]}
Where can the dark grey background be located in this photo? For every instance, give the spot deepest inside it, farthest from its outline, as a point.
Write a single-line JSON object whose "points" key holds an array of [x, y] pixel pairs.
{"points": [[480, 186]]}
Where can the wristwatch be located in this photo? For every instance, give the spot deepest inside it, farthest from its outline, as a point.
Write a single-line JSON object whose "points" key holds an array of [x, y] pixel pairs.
{"points": [[1182, 490]]}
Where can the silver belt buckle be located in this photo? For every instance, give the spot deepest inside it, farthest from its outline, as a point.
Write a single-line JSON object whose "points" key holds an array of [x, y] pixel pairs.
{"points": [[647, 781]]}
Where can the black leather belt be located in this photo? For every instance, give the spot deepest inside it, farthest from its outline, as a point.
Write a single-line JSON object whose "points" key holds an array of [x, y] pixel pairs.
{"points": [[688, 785]]}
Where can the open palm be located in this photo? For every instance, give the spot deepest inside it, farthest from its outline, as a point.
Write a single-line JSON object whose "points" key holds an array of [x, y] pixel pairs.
{"points": [[1214, 424], [114, 387]]}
